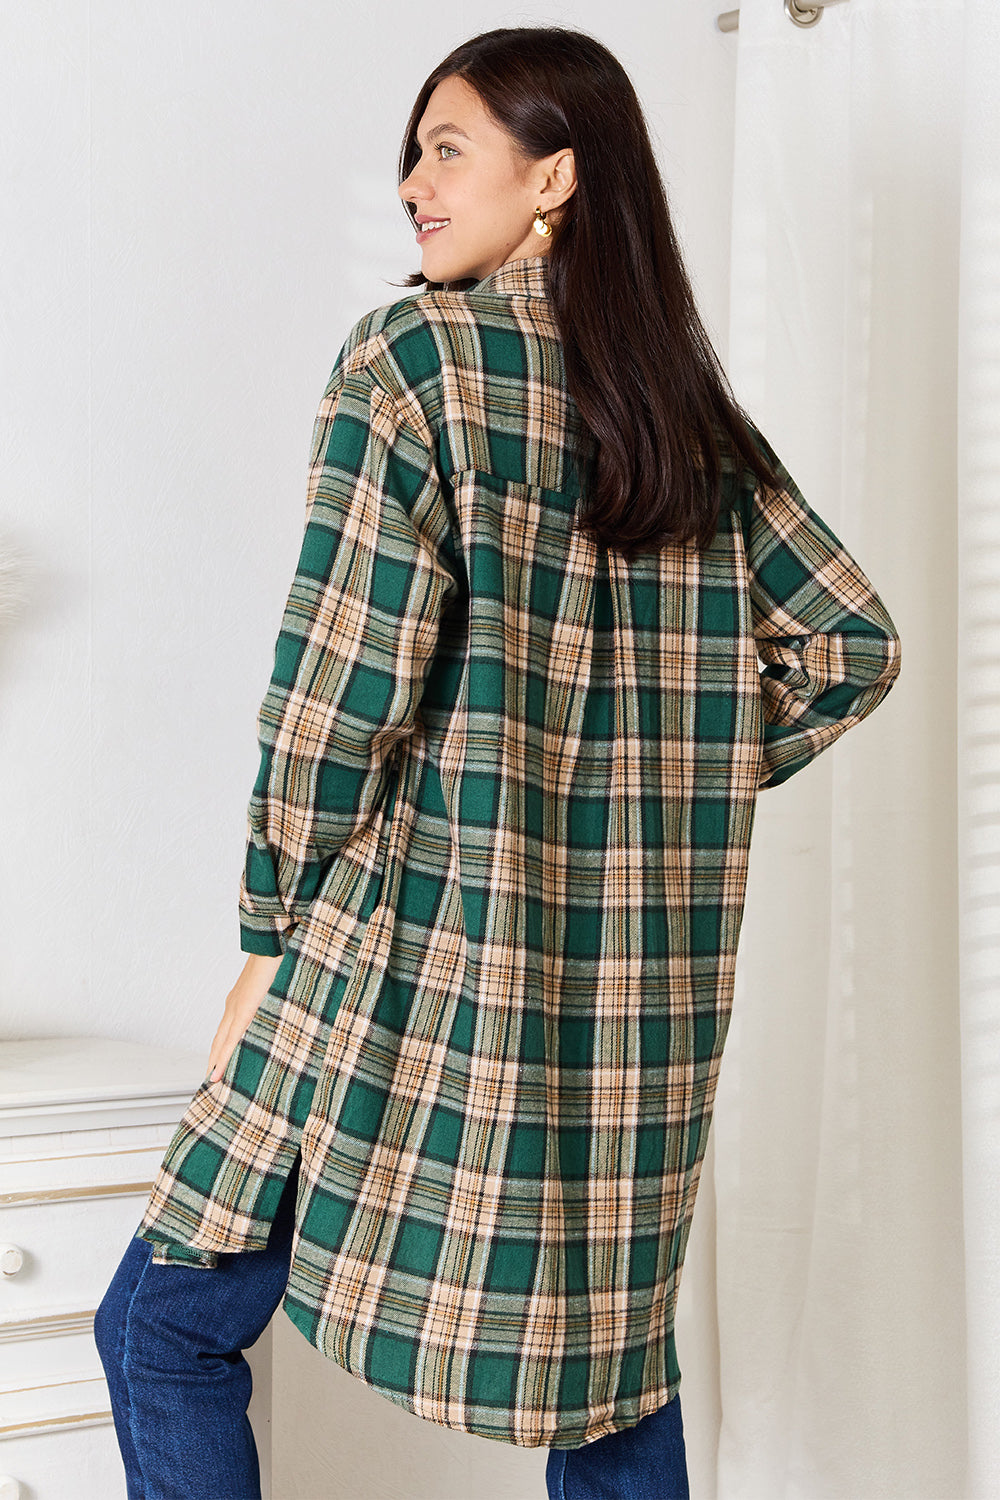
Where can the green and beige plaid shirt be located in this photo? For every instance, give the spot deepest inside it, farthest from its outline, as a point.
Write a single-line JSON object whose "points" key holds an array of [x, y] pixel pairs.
{"points": [[500, 834]]}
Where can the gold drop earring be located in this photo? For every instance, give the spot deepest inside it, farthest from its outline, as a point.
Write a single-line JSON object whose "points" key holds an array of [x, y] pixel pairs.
{"points": [[539, 223]]}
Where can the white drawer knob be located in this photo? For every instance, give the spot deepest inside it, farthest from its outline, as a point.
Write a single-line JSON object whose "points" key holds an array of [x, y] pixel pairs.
{"points": [[11, 1261], [9, 1488]]}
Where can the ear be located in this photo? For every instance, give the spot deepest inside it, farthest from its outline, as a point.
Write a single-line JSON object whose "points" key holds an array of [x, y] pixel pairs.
{"points": [[559, 181]]}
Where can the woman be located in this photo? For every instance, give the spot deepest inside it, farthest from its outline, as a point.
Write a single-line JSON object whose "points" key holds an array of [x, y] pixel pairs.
{"points": [[560, 613]]}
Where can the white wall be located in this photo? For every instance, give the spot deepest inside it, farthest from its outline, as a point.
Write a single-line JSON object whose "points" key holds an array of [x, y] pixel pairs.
{"points": [[201, 202]]}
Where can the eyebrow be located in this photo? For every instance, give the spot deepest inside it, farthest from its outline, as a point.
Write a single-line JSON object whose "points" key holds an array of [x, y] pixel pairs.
{"points": [[447, 129]]}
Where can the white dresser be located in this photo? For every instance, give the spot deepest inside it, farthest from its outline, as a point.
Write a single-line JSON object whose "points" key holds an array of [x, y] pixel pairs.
{"points": [[83, 1126]]}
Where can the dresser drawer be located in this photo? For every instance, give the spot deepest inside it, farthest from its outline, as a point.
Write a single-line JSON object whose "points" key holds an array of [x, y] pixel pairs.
{"points": [[70, 1248], [79, 1463]]}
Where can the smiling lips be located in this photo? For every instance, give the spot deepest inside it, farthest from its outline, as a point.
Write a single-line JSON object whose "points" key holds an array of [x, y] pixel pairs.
{"points": [[430, 226]]}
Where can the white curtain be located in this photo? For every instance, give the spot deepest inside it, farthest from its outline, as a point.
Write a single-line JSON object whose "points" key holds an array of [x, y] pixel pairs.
{"points": [[842, 1320]]}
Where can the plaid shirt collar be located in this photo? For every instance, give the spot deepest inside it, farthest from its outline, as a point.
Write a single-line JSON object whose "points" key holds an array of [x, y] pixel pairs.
{"points": [[525, 277]]}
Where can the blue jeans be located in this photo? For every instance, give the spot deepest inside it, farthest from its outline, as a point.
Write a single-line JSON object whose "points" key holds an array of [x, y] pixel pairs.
{"points": [[645, 1462], [171, 1340]]}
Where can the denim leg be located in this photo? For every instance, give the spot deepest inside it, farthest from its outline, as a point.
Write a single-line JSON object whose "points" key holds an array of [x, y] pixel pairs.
{"points": [[109, 1333], [171, 1338], [644, 1462]]}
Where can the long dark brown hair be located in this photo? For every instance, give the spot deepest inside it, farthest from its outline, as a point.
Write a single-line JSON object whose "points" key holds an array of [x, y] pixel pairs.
{"points": [[638, 361]]}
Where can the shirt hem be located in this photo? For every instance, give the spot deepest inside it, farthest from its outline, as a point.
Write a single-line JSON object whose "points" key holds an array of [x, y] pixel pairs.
{"points": [[503, 1431]]}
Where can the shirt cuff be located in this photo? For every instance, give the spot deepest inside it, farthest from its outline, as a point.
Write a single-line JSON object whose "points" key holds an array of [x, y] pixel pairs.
{"points": [[253, 940], [165, 1253]]}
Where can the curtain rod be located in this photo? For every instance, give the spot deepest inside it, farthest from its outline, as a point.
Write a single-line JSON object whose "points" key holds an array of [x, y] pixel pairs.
{"points": [[802, 15]]}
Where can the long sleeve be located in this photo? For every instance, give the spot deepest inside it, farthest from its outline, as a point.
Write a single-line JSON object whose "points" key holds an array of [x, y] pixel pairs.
{"points": [[828, 648], [357, 635]]}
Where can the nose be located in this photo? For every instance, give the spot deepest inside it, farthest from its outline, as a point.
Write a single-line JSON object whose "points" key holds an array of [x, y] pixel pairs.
{"points": [[411, 187]]}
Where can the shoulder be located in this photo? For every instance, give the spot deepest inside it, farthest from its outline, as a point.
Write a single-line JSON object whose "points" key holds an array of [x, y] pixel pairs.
{"points": [[407, 352], [403, 345]]}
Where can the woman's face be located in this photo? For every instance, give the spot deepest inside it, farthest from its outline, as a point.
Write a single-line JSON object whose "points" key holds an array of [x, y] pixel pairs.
{"points": [[470, 174]]}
